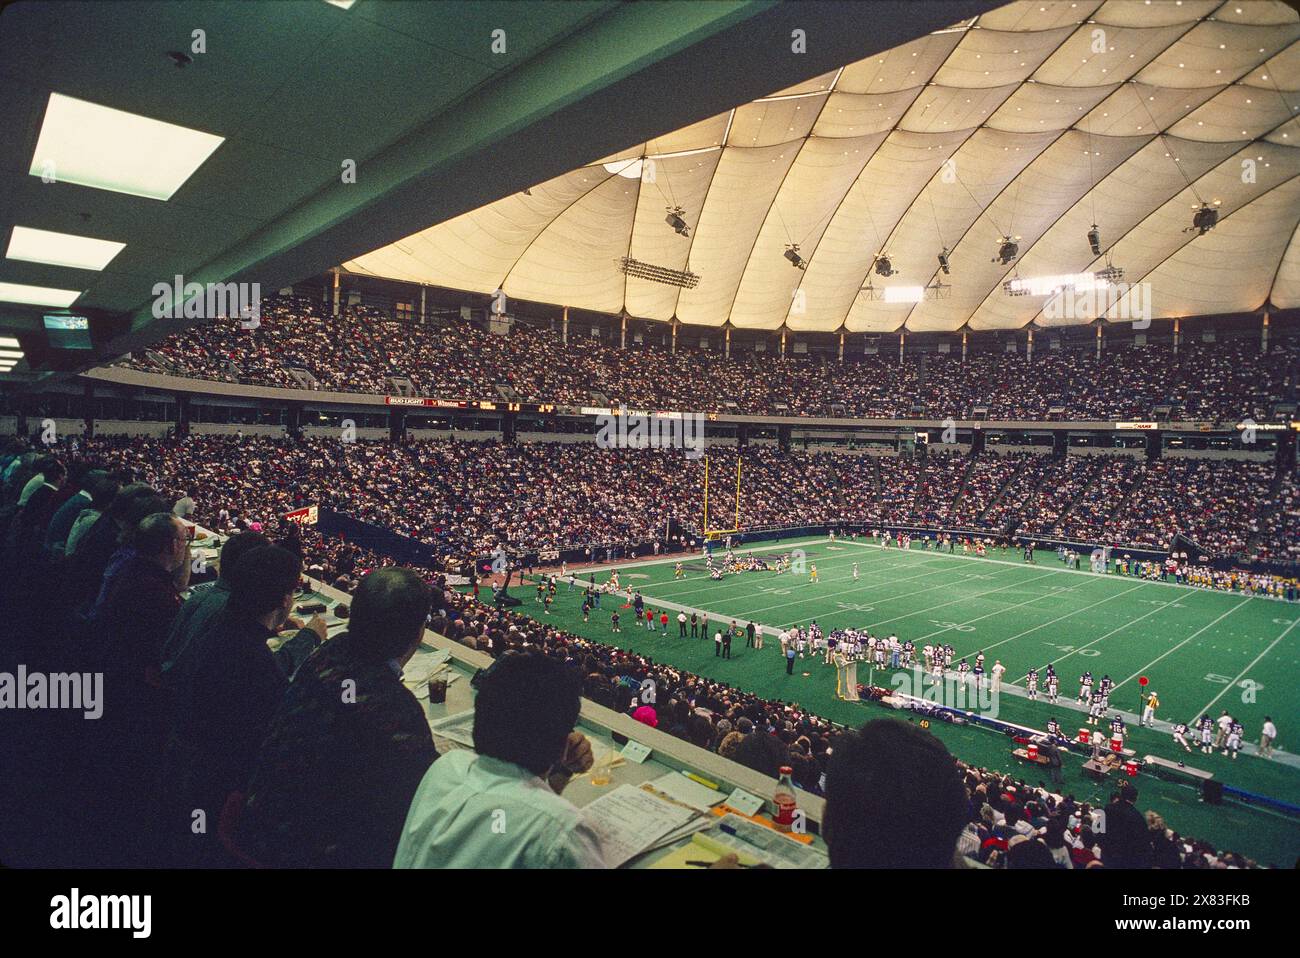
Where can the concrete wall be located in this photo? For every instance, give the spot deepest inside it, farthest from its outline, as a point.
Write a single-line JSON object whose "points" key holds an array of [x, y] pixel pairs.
{"points": [[1088, 451], [1240, 454]]}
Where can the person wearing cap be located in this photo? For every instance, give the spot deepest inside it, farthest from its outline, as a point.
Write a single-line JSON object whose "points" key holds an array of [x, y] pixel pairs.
{"points": [[1149, 708]]}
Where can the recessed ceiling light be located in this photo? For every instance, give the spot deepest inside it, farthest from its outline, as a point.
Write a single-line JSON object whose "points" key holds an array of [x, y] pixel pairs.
{"points": [[61, 249], [341, 4], [37, 295], [107, 149]]}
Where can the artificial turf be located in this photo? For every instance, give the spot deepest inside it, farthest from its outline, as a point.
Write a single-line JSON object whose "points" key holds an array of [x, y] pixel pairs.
{"points": [[1201, 651]]}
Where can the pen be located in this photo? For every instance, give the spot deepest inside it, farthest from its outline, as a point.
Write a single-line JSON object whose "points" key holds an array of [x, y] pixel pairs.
{"points": [[701, 864]]}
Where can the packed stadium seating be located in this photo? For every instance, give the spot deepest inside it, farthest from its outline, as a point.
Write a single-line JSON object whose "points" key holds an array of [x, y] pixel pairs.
{"points": [[465, 498], [360, 351]]}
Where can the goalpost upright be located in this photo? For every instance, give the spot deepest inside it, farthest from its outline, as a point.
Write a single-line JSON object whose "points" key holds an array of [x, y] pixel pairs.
{"points": [[708, 533]]}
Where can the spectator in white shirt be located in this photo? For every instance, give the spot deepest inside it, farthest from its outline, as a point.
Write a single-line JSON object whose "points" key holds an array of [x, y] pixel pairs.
{"points": [[1267, 735], [500, 806]]}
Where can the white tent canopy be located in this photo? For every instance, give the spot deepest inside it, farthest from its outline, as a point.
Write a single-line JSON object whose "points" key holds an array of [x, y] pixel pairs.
{"points": [[1034, 121]]}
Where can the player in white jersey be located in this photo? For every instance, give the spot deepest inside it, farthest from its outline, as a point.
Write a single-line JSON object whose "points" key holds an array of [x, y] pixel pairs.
{"points": [[1180, 735], [1031, 683], [1233, 743]]}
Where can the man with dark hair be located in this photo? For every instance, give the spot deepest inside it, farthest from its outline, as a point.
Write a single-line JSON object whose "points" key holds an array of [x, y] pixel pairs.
{"points": [[225, 709], [207, 601], [894, 799], [103, 542], [102, 493], [138, 601], [764, 753], [1126, 841], [141, 596], [335, 776], [88, 484], [500, 807], [40, 498]]}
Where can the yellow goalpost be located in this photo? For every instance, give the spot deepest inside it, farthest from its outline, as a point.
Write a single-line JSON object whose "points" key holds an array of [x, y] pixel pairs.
{"points": [[715, 533]]}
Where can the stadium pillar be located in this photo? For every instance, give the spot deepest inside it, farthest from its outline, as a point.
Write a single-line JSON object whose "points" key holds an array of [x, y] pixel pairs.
{"points": [[88, 408], [783, 438], [336, 290], [293, 418], [622, 336], [1286, 442], [1263, 334], [1029, 348], [963, 345], [508, 427], [976, 441], [1098, 342], [674, 346], [1177, 334], [726, 343], [901, 338], [742, 435], [423, 313], [564, 326], [783, 342], [841, 347], [396, 424], [182, 416], [1155, 443]]}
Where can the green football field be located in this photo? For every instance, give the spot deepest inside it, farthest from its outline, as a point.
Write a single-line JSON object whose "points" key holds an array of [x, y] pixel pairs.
{"points": [[1201, 651]]}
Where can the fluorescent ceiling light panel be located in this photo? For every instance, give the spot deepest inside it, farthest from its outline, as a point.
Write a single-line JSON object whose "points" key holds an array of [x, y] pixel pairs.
{"points": [[10, 342], [107, 149], [61, 249], [8, 354], [341, 4], [37, 295]]}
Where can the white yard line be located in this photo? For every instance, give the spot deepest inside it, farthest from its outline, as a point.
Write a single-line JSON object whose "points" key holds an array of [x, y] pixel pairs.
{"points": [[1019, 635], [978, 618], [1114, 631], [1094, 575], [854, 590], [1241, 674], [968, 598], [1051, 621], [1175, 648], [713, 584]]}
